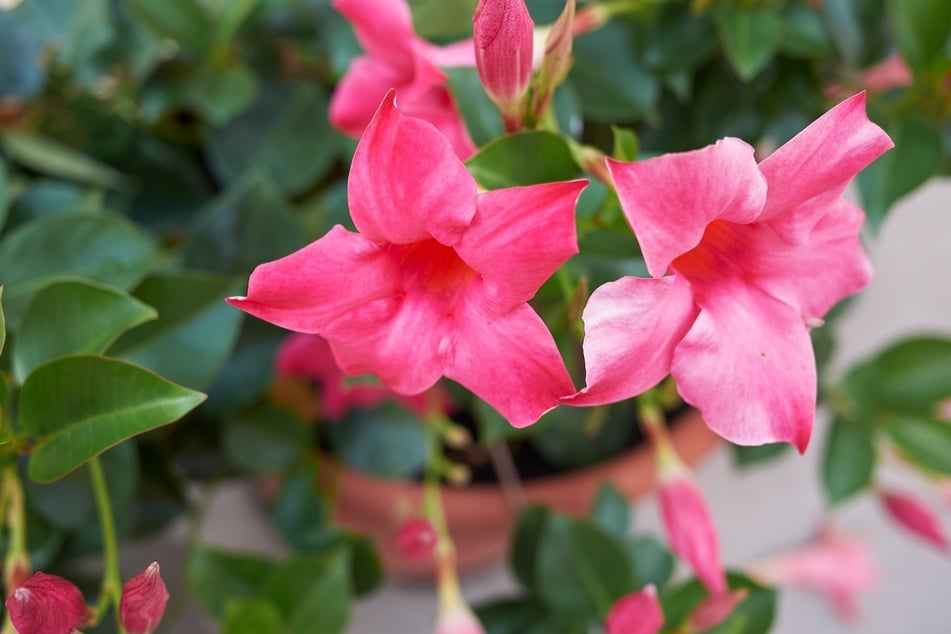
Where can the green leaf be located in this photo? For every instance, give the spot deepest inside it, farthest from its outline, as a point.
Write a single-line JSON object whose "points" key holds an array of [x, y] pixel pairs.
{"points": [[527, 158], [914, 159], [195, 330], [3, 323], [804, 35], [74, 316], [922, 29], [4, 194], [22, 72], [625, 144], [51, 157], [220, 94], [184, 21], [313, 591], [754, 615], [745, 456], [216, 576], [266, 440], [926, 442], [300, 512], [99, 403], [651, 562], [913, 375], [859, 29], [230, 17], [749, 37], [611, 511], [848, 460], [481, 115], [101, 247], [366, 570], [388, 441], [526, 536], [252, 616], [580, 569], [510, 616]]}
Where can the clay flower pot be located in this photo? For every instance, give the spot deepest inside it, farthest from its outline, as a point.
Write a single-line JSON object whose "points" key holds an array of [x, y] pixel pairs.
{"points": [[480, 516]]}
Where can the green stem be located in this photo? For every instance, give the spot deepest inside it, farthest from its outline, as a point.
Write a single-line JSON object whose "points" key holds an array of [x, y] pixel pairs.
{"points": [[111, 591], [16, 564]]}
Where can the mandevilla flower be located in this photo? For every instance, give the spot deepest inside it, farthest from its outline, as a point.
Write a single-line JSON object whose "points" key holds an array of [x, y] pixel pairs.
{"points": [[397, 58], [916, 517], [438, 279], [635, 613], [143, 601], [46, 604], [835, 564], [416, 538], [503, 34], [744, 258]]}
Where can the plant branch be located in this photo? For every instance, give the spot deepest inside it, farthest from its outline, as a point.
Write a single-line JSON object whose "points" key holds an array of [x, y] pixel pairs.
{"points": [[111, 590]]}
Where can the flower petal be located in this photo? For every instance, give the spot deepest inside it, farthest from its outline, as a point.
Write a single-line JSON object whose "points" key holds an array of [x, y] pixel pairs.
{"points": [[819, 162], [383, 27], [360, 91], [519, 237], [670, 200], [509, 359], [815, 275], [436, 105], [631, 329], [406, 183], [310, 288], [747, 365]]}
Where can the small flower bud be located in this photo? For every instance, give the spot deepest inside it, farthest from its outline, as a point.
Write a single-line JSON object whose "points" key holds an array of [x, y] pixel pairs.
{"points": [[635, 613], [46, 604], [416, 538], [143, 601], [917, 518], [557, 60], [503, 34]]}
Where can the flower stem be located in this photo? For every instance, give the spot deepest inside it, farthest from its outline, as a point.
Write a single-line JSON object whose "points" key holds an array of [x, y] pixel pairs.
{"points": [[111, 591]]}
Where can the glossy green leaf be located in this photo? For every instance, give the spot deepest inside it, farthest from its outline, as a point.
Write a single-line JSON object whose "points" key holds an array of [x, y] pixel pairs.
{"points": [[913, 375], [313, 591], [650, 561], [99, 403], [266, 440], [848, 460], [510, 616], [625, 144], [527, 158], [914, 159], [74, 316], [611, 511], [922, 30], [220, 94], [366, 569], [216, 576], [388, 441], [98, 246], [252, 616], [51, 157], [750, 38], [745, 456], [526, 536], [579, 568], [184, 21], [804, 35], [195, 330], [300, 512], [925, 441]]}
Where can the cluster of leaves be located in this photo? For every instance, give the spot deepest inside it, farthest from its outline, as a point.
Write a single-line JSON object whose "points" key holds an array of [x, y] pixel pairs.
{"points": [[572, 570]]}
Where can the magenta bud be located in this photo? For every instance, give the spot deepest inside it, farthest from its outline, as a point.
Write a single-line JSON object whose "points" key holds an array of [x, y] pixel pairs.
{"points": [[503, 34], [46, 604], [143, 601], [915, 517], [416, 538], [635, 613]]}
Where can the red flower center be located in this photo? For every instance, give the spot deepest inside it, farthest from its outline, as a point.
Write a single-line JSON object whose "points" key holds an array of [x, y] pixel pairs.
{"points": [[434, 268]]}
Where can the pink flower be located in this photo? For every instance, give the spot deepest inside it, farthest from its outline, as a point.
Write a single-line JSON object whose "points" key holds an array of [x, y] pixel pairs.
{"points": [[46, 604], [503, 32], [744, 258], [635, 613], [397, 58], [891, 72], [143, 601], [837, 565], [438, 279], [416, 538], [309, 356], [689, 526], [915, 517]]}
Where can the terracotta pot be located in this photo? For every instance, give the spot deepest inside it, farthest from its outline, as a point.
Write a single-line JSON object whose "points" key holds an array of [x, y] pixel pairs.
{"points": [[480, 516]]}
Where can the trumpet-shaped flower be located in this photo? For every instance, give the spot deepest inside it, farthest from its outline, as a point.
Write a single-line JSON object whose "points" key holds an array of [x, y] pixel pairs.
{"points": [[397, 58], [635, 613], [438, 279], [46, 604], [745, 257]]}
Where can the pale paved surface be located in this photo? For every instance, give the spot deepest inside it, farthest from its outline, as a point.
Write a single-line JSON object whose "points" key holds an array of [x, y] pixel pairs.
{"points": [[757, 511]]}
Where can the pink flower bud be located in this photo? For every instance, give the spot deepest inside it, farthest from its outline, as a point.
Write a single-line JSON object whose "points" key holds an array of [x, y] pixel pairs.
{"points": [[917, 518], [416, 538], [635, 613], [143, 601], [557, 61], [689, 526], [715, 609], [458, 620], [46, 604], [503, 32]]}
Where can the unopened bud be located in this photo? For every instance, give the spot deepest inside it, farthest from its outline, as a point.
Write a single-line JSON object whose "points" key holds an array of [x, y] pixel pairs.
{"points": [[915, 517], [503, 32], [46, 604], [143, 601], [635, 613], [416, 538], [557, 60]]}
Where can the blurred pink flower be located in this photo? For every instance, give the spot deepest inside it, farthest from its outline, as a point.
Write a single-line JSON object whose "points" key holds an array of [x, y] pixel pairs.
{"points": [[46, 604], [837, 565], [438, 280], [396, 58], [416, 538], [891, 72], [915, 516], [635, 613], [143, 601], [503, 33], [744, 259]]}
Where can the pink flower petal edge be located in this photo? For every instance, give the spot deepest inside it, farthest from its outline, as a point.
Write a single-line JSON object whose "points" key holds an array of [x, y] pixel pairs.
{"points": [[46, 604], [635, 613]]}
